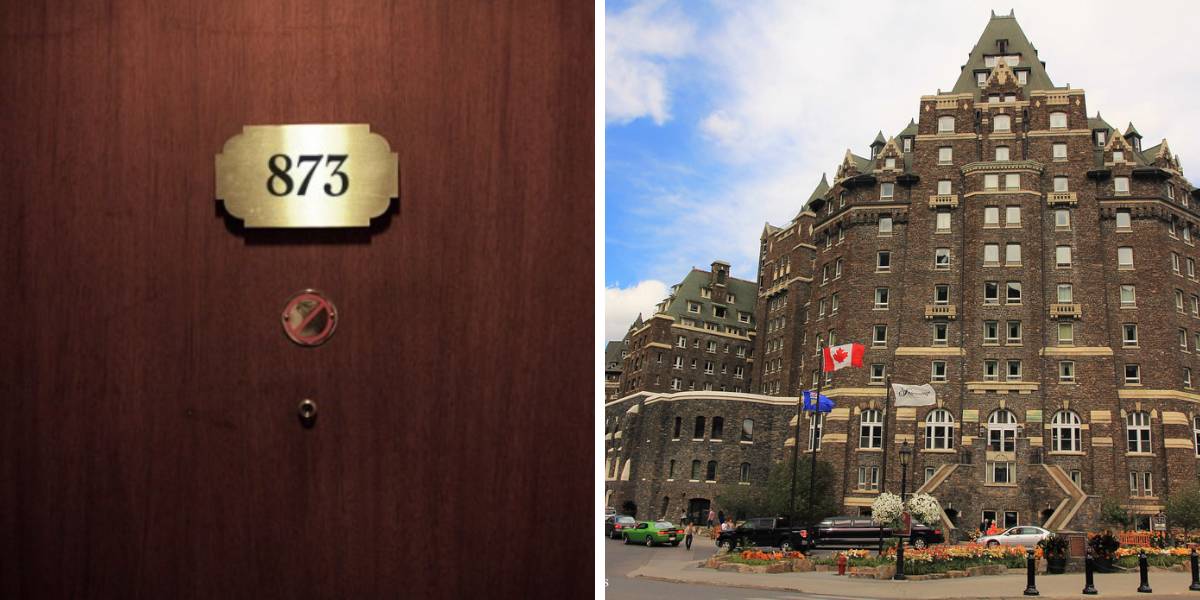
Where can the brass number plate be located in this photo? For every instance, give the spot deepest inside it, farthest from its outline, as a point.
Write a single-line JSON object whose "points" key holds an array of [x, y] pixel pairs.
{"points": [[307, 175]]}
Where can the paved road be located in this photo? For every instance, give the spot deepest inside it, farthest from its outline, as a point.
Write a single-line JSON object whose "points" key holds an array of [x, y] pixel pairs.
{"points": [[620, 559]]}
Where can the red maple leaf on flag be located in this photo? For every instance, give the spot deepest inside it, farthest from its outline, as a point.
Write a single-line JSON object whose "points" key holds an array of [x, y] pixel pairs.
{"points": [[839, 355]]}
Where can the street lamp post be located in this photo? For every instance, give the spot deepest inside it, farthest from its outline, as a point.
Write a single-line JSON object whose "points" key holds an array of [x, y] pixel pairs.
{"points": [[905, 455]]}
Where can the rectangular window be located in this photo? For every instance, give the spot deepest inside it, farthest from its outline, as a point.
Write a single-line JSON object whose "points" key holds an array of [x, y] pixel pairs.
{"points": [[1128, 296], [1012, 216], [833, 303], [1012, 253], [1000, 472], [1129, 335], [991, 370], [1133, 374], [991, 216], [944, 186], [681, 342], [1001, 123], [941, 258], [945, 155], [991, 292], [877, 371], [1058, 120], [889, 163], [1179, 300], [879, 336], [907, 144], [1118, 156], [1148, 483], [1170, 192], [940, 330], [991, 182], [1123, 220], [1187, 377], [883, 261], [881, 297], [1121, 185], [938, 371], [1013, 295], [1022, 77], [1101, 137], [1133, 483], [1062, 256], [1195, 305], [1183, 339], [991, 254], [1060, 151], [1012, 181], [1125, 257], [1174, 262], [1065, 293], [1061, 184], [1066, 333], [1014, 371], [946, 124], [943, 222], [1062, 218], [941, 294], [885, 225], [1014, 333], [1001, 152], [868, 478], [886, 190], [991, 332], [1066, 371]]}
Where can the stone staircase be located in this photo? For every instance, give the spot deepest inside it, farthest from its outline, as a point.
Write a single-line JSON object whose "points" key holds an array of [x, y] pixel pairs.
{"points": [[1065, 511]]}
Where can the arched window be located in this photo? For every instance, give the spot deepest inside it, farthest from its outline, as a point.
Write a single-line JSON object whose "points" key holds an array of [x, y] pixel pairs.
{"points": [[1001, 123], [1002, 431], [748, 430], [671, 470], [678, 427], [698, 433], [710, 474], [695, 470], [1064, 432], [815, 425], [718, 430], [1137, 431], [939, 430], [946, 124], [870, 429], [744, 473]]}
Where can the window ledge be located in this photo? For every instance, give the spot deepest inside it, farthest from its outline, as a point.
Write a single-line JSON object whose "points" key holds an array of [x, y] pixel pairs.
{"points": [[868, 449], [745, 442], [743, 483], [1008, 485], [710, 481], [1140, 454], [1067, 453], [938, 451]]}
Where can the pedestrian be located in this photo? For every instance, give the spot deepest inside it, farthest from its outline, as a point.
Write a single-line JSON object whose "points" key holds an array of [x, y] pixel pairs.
{"points": [[992, 529], [687, 536], [721, 517], [712, 516], [983, 527]]}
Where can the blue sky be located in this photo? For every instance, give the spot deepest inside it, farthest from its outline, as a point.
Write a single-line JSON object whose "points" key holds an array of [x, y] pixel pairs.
{"points": [[723, 115]]}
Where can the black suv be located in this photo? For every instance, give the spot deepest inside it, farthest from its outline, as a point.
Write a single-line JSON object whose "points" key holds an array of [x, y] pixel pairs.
{"points": [[763, 531], [860, 532]]}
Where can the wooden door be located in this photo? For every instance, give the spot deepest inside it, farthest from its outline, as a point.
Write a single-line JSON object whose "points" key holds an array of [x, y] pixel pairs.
{"points": [[149, 439]]}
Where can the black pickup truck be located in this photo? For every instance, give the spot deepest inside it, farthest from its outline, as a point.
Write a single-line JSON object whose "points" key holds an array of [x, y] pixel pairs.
{"points": [[860, 532], [764, 531]]}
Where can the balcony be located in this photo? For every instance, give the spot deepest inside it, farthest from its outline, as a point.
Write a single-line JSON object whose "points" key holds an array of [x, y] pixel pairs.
{"points": [[941, 311], [1057, 198], [1064, 311], [943, 201]]}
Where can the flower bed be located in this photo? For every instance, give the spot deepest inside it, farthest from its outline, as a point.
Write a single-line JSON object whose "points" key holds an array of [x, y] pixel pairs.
{"points": [[1127, 556], [938, 559], [758, 557]]}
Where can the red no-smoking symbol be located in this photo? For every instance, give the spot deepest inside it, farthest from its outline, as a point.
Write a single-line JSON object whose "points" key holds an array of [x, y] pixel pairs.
{"points": [[309, 318]]}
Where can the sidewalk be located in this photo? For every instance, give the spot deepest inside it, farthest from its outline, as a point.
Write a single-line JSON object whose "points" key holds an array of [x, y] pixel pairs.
{"points": [[678, 568]]}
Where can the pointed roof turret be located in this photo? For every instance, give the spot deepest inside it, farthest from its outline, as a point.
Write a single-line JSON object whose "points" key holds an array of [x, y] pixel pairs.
{"points": [[1132, 131], [1099, 123], [877, 144], [820, 191], [1003, 37], [909, 130]]}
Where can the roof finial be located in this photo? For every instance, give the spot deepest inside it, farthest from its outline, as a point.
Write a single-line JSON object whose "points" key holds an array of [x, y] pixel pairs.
{"points": [[993, 14]]}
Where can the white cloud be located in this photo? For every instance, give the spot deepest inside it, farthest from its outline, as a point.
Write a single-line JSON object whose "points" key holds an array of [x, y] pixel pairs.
{"points": [[622, 305], [789, 86], [638, 44]]}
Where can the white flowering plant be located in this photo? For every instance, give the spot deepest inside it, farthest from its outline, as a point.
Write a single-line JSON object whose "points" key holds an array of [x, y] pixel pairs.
{"points": [[886, 509], [924, 508]]}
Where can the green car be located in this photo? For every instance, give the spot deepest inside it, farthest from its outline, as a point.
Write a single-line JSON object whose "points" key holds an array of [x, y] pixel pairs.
{"points": [[653, 532]]}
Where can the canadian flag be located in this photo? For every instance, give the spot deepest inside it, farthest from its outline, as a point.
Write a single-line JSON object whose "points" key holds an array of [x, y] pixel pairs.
{"points": [[846, 355]]}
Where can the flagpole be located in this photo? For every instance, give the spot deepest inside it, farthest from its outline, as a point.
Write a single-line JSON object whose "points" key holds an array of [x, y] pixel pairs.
{"points": [[795, 456], [812, 472], [887, 396]]}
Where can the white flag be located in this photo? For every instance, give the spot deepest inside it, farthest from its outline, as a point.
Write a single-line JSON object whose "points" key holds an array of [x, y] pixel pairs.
{"points": [[914, 395]]}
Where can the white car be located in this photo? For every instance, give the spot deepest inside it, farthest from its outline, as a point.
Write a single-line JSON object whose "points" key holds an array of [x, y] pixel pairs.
{"points": [[1027, 535]]}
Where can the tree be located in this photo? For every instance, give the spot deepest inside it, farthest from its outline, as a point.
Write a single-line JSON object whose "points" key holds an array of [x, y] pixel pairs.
{"points": [[741, 501], [779, 488], [1113, 514], [1183, 508]]}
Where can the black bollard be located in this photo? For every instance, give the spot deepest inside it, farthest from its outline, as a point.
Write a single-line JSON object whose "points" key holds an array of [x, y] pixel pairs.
{"points": [[1195, 573], [900, 576], [1089, 585], [1144, 586], [1030, 567]]}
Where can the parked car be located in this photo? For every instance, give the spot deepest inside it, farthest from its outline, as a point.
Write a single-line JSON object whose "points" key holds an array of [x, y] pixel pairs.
{"points": [[764, 531], [1025, 535], [616, 524], [653, 532], [861, 532]]}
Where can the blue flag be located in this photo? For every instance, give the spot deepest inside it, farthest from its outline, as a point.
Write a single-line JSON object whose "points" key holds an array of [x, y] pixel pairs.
{"points": [[824, 404]]}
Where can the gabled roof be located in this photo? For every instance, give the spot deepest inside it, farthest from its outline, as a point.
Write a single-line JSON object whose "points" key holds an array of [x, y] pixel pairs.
{"points": [[1099, 123], [745, 295], [612, 353], [1003, 28]]}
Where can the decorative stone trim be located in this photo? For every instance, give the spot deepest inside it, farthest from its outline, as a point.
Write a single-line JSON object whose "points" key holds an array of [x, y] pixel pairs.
{"points": [[1019, 387], [1061, 198]]}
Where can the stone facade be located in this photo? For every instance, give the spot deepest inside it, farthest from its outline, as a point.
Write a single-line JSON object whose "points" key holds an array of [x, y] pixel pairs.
{"points": [[1035, 265]]}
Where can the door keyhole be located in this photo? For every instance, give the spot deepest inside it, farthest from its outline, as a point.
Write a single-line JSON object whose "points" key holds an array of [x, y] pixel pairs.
{"points": [[307, 412]]}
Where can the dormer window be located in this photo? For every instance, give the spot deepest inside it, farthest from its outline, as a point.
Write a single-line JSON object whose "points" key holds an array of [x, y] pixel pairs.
{"points": [[1001, 123], [908, 144], [1101, 137], [1022, 77], [981, 78], [1058, 120]]}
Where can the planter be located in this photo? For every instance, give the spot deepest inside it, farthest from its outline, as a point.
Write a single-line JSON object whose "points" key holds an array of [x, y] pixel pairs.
{"points": [[1056, 565], [801, 565]]}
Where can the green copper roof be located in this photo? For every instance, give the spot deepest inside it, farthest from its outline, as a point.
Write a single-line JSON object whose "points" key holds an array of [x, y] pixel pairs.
{"points": [[612, 353], [1099, 123], [1003, 28], [820, 191], [879, 139], [745, 294], [910, 129], [1131, 130]]}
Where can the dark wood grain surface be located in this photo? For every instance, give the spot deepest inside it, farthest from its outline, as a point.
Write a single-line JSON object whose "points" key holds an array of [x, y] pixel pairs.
{"points": [[149, 445]]}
